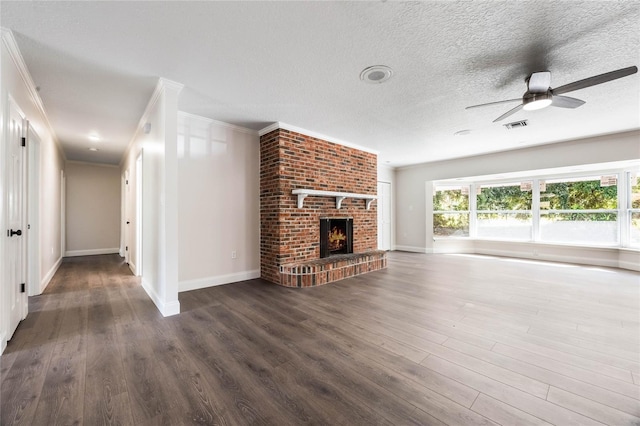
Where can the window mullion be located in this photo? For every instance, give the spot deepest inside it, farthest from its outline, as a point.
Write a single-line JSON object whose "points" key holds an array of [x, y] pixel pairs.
{"points": [[473, 216], [535, 210]]}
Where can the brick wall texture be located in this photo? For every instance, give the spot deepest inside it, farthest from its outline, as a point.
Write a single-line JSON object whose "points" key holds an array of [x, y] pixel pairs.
{"points": [[290, 160]]}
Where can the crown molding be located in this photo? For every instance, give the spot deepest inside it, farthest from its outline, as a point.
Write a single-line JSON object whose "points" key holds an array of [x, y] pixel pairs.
{"points": [[285, 126], [161, 86], [165, 83], [207, 120], [16, 56]]}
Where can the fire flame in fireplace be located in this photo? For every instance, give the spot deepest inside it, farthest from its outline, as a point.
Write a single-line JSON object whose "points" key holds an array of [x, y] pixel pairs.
{"points": [[337, 238]]}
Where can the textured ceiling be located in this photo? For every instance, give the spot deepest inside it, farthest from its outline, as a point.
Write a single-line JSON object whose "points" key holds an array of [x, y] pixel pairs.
{"points": [[253, 63]]}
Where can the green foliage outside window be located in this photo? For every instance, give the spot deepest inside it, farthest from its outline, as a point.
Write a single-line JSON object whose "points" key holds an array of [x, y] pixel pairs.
{"points": [[504, 198], [450, 199], [581, 195], [451, 224]]}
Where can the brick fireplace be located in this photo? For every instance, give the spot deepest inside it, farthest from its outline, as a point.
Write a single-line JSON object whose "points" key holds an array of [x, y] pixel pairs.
{"points": [[289, 234]]}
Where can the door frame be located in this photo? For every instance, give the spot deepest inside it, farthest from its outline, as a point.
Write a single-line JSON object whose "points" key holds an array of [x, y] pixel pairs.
{"points": [[384, 203], [33, 213], [139, 206], [125, 217]]}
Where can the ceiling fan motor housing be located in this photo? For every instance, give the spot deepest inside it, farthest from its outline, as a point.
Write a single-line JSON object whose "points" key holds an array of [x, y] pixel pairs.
{"points": [[533, 101]]}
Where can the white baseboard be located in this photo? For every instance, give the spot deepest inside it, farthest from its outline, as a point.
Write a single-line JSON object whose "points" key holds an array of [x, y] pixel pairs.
{"points": [[92, 252], [412, 249], [166, 309], [199, 283], [47, 278], [632, 266], [132, 267]]}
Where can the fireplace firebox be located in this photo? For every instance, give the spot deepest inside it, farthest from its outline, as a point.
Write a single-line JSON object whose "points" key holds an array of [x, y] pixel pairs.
{"points": [[336, 236]]}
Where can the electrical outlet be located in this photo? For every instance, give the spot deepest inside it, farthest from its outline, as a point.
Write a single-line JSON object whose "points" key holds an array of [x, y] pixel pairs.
{"points": [[233, 254]]}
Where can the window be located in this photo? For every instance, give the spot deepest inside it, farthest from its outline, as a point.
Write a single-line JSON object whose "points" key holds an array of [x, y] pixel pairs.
{"points": [[634, 209], [451, 211], [597, 208], [579, 210], [504, 211]]}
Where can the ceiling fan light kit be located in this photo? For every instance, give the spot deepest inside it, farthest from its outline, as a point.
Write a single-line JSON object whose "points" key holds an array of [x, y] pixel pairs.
{"points": [[539, 93], [536, 101]]}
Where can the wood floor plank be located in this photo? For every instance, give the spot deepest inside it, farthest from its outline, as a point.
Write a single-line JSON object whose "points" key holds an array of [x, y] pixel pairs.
{"points": [[521, 400], [386, 364], [595, 410], [22, 387], [191, 392], [504, 414], [106, 396], [63, 385], [149, 403], [596, 393], [622, 387]]}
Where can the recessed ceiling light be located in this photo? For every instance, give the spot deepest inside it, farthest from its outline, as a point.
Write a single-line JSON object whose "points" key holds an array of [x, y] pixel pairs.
{"points": [[94, 137], [94, 149], [376, 74], [462, 132]]}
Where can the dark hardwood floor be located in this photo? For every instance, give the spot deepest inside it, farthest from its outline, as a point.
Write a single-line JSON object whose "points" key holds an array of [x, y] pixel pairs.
{"points": [[432, 340]]}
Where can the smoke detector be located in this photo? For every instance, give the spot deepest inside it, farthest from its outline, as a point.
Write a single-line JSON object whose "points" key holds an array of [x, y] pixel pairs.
{"points": [[516, 124], [376, 74]]}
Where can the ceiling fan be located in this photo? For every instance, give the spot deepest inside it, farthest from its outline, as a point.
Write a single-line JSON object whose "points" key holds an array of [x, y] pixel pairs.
{"points": [[539, 93]]}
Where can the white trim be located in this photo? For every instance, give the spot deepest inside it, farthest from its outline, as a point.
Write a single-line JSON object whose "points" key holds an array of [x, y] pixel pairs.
{"points": [[91, 252], [340, 196], [632, 266], [413, 249], [132, 267], [285, 126], [47, 278], [3, 342], [199, 283], [17, 58], [168, 309], [159, 89], [207, 120]]}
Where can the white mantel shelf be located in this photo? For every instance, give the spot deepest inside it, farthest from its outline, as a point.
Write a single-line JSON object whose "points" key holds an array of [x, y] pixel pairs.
{"points": [[304, 193]]}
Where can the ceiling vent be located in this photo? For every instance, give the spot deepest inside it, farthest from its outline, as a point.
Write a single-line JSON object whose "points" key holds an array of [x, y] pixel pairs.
{"points": [[516, 124]]}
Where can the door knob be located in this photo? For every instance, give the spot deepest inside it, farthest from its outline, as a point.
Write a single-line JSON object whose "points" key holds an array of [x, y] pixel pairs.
{"points": [[11, 232]]}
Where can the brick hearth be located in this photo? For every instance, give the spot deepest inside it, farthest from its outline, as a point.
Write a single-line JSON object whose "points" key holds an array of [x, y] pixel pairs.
{"points": [[289, 236]]}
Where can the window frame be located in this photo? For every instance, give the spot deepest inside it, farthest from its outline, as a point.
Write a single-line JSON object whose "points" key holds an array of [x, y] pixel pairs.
{"points": [[623, 212]]}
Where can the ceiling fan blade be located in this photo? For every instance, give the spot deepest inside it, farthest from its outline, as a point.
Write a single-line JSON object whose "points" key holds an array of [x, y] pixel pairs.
{"points": [[539, 82], [566, 102], [510, 112], [596, 79], [494, 103]]}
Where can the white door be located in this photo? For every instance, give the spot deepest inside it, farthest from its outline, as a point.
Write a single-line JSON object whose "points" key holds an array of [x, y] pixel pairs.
{"points": [[127, 219], [384, 216], [15, 255]]}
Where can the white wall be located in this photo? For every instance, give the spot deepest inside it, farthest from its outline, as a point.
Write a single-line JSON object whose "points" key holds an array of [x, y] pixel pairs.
{"points": [[414, 228], [219, 203], [159, 196], [92, 209], [17, 83]]}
